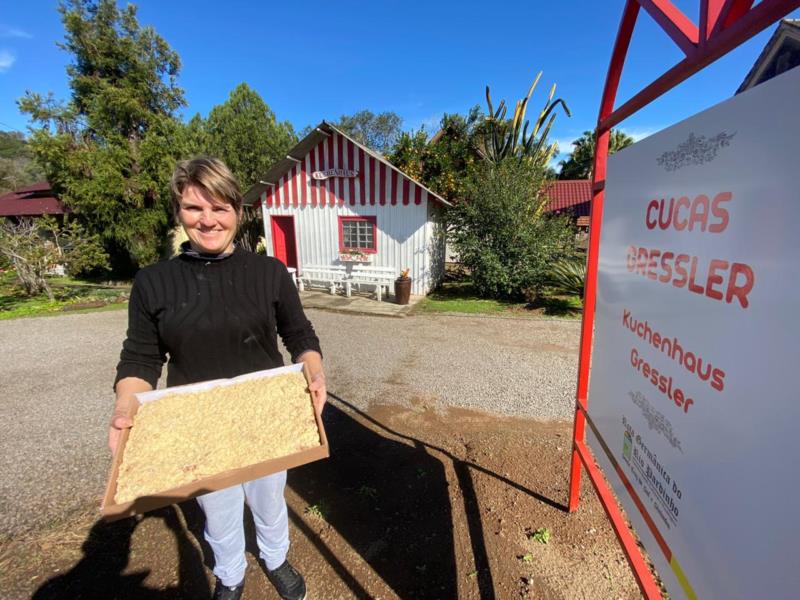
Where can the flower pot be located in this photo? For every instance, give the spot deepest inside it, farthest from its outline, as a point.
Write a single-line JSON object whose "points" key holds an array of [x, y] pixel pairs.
{"points": [[354, 258], [402, 290]]}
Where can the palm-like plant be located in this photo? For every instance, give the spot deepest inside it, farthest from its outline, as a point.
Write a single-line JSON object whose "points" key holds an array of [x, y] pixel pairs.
{"points": [[581, 159], [503, 138], [568, 276]]}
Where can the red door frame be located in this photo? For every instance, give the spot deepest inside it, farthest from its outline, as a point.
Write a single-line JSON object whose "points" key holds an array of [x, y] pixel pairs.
{"points": [[274, 225], [724, 25]]}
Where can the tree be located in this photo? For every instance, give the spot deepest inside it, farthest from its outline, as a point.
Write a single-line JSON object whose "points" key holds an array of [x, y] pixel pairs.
{"points": [[443, 162], [17, 167], [110, 151], [195, 138], [35, 246], [79, 252], [244, 133], [32, 256], [18, 172], [377, 132], [500, 138], [410, 152], [12, 144], [581, 159], [502, 234]]}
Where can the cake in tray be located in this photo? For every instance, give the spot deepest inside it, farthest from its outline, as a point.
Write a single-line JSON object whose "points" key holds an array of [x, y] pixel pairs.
{"points": [[183, 437]]}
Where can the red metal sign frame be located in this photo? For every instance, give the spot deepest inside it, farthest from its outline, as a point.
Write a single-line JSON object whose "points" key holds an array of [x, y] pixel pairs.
{"points": [[723, 25]]}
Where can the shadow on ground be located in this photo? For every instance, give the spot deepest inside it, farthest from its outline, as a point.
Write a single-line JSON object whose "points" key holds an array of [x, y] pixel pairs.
{"points": [[556, 306], [393, 505], [384, 493], [389, 500], [101, 572]]}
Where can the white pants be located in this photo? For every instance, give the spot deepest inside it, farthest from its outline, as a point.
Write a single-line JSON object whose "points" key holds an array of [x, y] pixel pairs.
{"points": [[224, 529]]}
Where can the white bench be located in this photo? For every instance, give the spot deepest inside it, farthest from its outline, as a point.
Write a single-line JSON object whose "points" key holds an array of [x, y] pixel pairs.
{"points": [[330, 276], [379, 277]]}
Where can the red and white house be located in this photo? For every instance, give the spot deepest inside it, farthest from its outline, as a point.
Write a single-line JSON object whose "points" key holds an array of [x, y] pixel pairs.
{"points": [[332, 201]]}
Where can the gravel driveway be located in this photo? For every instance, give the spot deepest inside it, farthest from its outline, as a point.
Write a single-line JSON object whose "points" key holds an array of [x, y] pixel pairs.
{"points": [[56, 377]]}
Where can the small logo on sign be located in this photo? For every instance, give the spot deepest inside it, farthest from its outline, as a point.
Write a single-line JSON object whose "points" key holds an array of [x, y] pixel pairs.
{"points": [[334, 173], [655, 419], [696, 150], [627, 445]]}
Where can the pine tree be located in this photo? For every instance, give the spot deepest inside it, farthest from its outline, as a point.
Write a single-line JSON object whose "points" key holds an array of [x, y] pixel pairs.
{"points": [[109, 151], [244, 133]]}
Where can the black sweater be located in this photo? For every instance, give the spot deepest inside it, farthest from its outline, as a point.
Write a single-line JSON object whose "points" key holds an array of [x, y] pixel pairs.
{"points": [[214, 318]]}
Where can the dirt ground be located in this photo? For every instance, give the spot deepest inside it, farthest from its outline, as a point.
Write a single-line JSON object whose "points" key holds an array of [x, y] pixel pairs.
{"points": [[415, 502]]}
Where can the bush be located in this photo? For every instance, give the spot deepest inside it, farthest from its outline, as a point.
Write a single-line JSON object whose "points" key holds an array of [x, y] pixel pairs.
{"points": [[36, 246], [250, 230], [79, 252], [31, 253], [503, 235], [569, 276]]}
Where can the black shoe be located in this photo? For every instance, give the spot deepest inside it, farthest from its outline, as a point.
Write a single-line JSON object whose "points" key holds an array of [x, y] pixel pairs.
{"points": [[225, 592], [289, 583]]}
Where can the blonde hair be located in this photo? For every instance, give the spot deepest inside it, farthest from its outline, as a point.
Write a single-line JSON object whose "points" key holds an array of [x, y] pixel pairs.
{"points": [[209, 174]]}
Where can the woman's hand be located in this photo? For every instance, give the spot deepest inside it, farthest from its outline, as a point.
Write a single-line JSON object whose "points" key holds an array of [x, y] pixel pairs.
{"points": [[318, 385], [119, 422], [121, 419], [319, 391]]}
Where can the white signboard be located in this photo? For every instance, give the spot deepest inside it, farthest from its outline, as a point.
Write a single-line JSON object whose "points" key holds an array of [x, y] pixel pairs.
{"points": [[692, 388], [334, 173]]}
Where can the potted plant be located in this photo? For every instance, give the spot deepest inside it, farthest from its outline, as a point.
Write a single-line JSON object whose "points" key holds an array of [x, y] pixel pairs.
{"points": [[402, 287]]}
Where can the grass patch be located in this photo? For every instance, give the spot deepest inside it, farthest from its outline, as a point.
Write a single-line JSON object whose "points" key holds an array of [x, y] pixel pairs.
{"points": [[541, 535], [318, 511], [558, 305], [460, 297], [71, 295]]}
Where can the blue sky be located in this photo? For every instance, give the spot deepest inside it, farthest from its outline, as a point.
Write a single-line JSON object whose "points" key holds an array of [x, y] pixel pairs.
{"points": [[316, 60]]}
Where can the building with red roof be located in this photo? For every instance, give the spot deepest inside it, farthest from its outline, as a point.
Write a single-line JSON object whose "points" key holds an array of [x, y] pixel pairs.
{"points": [[34, 200], [573, 197], [332, 202]]}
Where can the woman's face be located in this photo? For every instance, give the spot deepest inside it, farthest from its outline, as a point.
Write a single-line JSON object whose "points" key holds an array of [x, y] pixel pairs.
{"points": [[209, 223]]}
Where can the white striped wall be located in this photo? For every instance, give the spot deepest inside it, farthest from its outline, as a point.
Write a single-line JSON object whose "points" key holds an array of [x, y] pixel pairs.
{"points": [[406, 238], [407, 220]]}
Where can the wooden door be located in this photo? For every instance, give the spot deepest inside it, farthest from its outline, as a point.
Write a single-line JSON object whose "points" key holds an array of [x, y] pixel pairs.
{"points": [[283, 240]]}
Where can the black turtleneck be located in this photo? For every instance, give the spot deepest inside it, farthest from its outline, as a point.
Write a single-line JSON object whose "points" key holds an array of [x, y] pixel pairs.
{"points": [[213, 318]]}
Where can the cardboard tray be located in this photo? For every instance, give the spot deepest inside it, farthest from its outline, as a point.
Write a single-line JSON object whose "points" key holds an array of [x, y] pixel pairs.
{"points": [[112, 511]]}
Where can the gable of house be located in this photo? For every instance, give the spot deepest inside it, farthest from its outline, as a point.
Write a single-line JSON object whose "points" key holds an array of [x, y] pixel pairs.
{"points": [[780, 53], [328, 168]]}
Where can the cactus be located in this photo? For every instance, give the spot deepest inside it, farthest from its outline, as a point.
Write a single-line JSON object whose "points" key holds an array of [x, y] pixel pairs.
{"points": [[503, 138]]}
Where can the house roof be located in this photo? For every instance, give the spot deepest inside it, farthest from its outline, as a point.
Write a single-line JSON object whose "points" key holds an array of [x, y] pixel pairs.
{"points": [[781, 52], [31, 201], [573, 195], [303, 147], [39, 186]]}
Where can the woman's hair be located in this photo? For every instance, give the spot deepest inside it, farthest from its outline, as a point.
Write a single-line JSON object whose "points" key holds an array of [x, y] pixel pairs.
{"points": [[210, 174]]}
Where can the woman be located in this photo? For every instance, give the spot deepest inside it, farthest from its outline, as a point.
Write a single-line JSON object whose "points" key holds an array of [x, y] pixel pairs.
{"points": [[215, 310]]}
